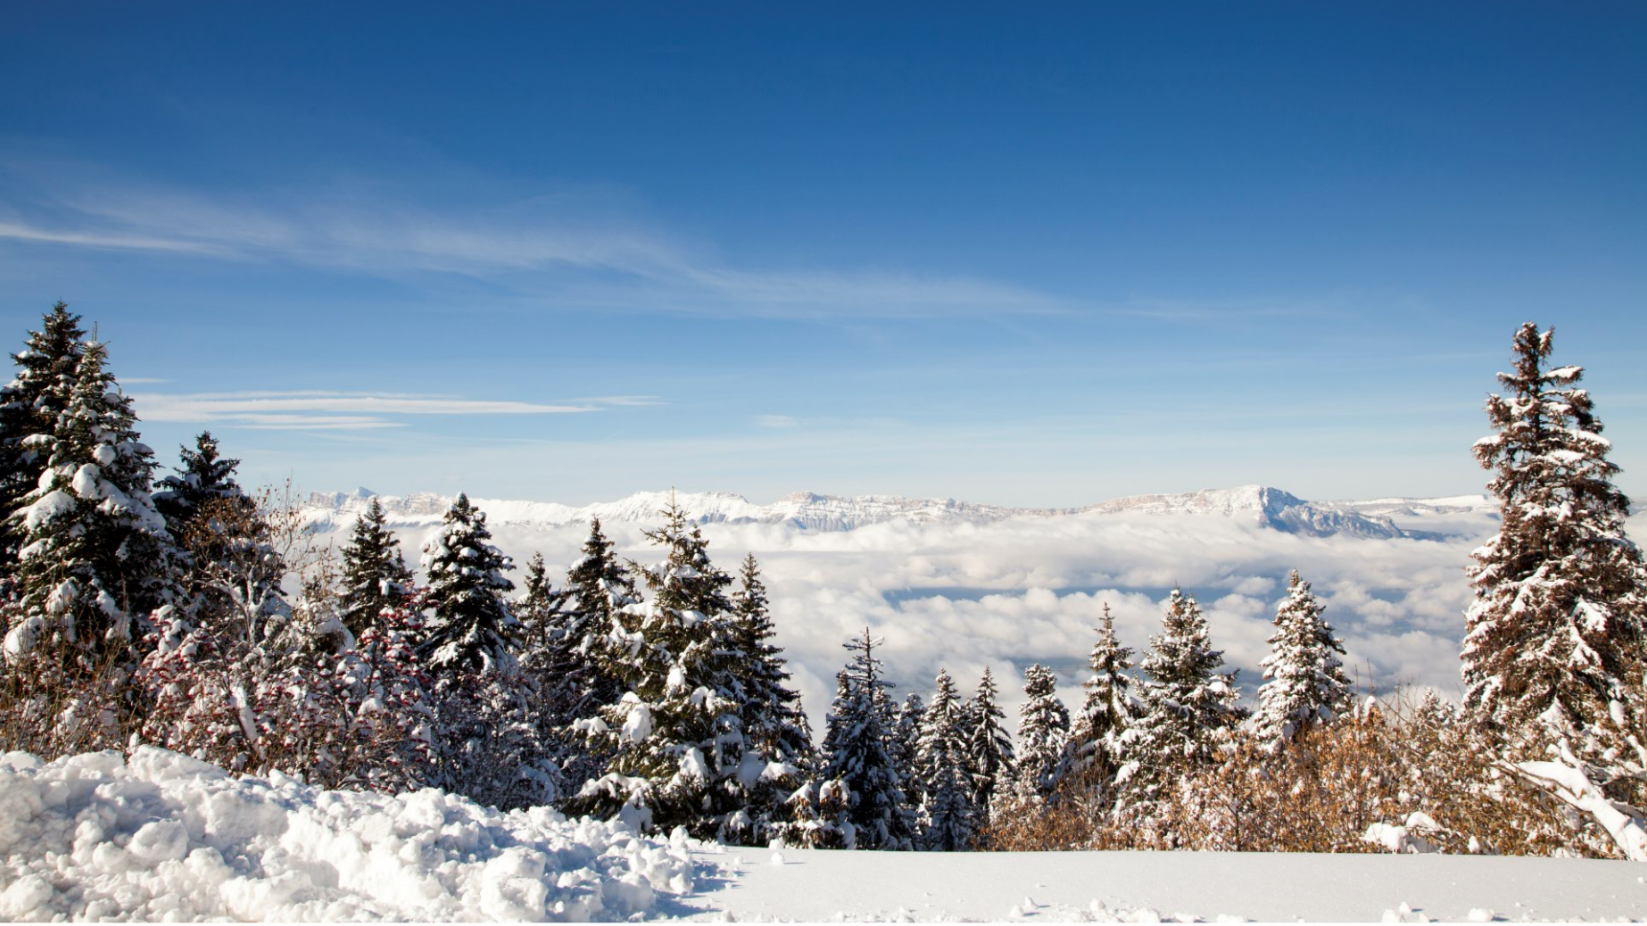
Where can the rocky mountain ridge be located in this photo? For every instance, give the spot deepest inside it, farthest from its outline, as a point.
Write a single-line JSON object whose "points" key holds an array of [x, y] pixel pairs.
{"points": [[1266, 506]]}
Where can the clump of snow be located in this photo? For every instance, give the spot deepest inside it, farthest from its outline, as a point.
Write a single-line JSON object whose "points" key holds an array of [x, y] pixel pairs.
{"points": [[1407, 839], [165, 837]]}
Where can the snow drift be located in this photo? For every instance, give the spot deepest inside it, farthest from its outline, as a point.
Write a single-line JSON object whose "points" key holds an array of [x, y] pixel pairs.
{"points": [[165, 837]]}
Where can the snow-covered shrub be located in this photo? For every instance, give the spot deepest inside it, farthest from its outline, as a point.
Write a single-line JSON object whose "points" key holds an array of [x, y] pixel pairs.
{"points": [[53, 704], [357, 717]]}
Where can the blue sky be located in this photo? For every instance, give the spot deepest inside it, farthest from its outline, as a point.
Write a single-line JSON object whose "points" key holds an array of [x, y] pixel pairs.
{"points": [[1035, 256]]}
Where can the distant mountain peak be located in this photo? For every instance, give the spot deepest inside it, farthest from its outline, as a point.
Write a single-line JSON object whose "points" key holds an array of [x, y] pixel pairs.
{"points": [[1265, 506], [1268, 506]]}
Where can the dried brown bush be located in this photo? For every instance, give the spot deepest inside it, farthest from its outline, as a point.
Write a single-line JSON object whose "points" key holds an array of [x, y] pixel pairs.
{"points": [[1402, 766]]}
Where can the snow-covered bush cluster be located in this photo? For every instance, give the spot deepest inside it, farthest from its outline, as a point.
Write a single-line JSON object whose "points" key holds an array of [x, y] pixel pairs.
{"points": [[188, 614], [164, 837]]}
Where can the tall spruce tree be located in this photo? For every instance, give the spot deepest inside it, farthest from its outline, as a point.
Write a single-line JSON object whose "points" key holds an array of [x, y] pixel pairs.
{"points": [[1043, 737], [205, 476], [949, 821], [97, 557], [593, 641], [375, 575], [676, 736], [1107, 713], [488, 741], [905, 744], [773, 720], [47, 368], [1306, 685], [859, 758], [989, 755], [538, 610], [1190, 708], [1554, 637], [470, 627], [231, 568], [778, 751]]}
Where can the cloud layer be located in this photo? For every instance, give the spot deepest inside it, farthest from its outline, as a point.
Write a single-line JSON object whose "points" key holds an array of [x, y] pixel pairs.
{"points": [[1029, 590]]}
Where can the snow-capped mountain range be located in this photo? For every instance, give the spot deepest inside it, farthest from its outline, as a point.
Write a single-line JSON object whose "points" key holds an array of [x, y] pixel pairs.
{"points": [[1267, 507]]}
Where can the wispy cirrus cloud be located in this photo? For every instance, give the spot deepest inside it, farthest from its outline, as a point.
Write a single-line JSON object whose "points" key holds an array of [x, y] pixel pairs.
{"points": [[535, 246], [321, 410]]}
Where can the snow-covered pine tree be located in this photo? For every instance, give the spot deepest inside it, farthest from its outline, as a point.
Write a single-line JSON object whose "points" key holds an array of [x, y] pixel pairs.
{"points": [[97, 557], [778, 752], [205, 476], [1190, 709], [489, 745], [676, 736], [905, 745], [470, 627], [1100, 732], [1554, 637], [858, 759], [538, 610], [231, 569], [1044, 752], [989, 756], [593, 641], [30, 405], [948, 819], [375, 574], [1306, 685]]}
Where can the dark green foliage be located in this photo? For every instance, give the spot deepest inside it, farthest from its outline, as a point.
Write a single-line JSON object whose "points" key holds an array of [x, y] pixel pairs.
{"points": [[1043, 736], [989, 753], [470, 627], [858, 758], [1306, 685], [1554, 637], [375, 575], [949, 821], [1190, 708], [1107, 712], [30, 405], [587, 645], [205, 476], [97, 556], [675, 736]]}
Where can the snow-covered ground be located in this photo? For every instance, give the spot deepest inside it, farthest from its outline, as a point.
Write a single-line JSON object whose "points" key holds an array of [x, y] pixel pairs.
{"points": [[1146, 886], [165, 837]]}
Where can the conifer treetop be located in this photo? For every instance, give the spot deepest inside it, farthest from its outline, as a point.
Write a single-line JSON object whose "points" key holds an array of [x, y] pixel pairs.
{"points": [[1554, 635], [1305, 682], [471, 625]]}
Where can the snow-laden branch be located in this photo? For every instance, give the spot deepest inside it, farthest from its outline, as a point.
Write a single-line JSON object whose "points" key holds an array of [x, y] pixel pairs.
{"points": [[1567, 780]]}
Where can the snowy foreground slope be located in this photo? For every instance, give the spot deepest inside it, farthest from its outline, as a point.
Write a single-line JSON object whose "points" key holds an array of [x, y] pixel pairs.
{"points": [[166, 837], [1151, 886]]}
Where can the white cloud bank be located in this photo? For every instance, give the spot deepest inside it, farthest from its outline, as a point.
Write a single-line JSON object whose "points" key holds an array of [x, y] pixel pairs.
{"points": [[1028, 590]]}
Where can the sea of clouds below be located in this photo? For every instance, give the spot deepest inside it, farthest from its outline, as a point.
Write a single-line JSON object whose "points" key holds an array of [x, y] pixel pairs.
{"points": [[1025, 590]]}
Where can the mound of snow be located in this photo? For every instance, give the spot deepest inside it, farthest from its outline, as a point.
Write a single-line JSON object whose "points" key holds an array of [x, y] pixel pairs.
{"points": [[164, 837]]}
